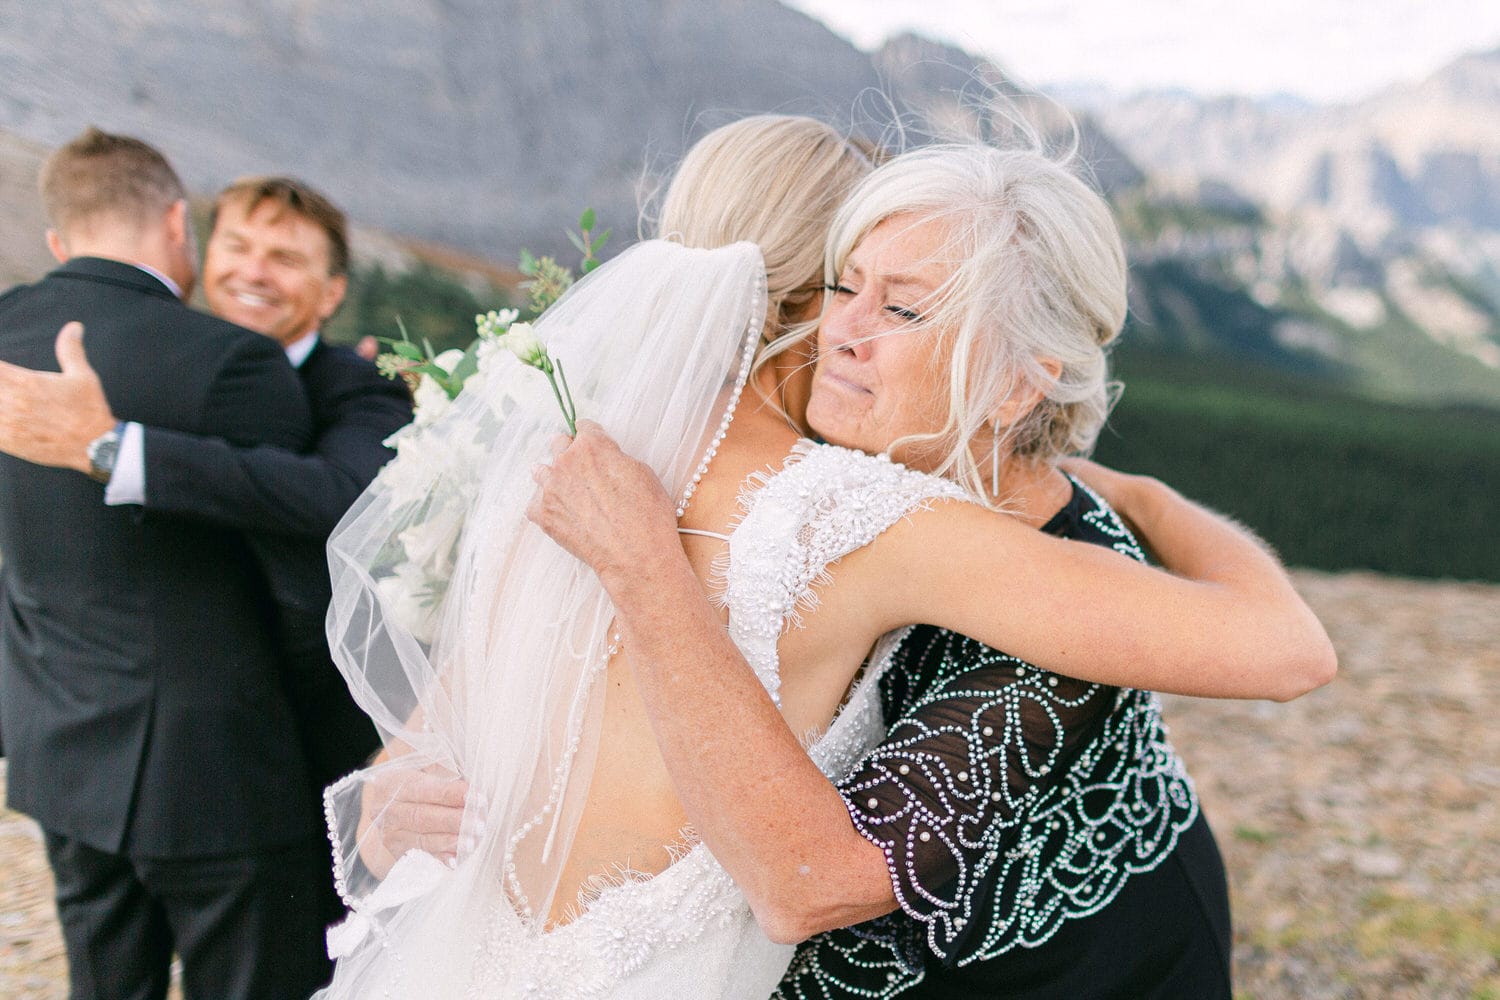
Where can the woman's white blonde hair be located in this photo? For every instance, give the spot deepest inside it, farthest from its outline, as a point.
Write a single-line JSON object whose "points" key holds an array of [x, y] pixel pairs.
{"points": [[1037, 274]]}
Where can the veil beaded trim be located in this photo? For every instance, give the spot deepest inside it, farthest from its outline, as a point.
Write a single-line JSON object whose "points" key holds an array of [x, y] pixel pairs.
{"points": [[473, 641]]}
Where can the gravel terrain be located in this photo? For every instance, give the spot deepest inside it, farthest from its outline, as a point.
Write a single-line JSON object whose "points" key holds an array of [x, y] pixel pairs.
{"points": [[1361, 824]]}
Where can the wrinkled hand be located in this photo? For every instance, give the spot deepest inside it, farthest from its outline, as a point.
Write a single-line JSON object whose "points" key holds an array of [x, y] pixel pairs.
{"points": [[406, 808], [604, 507], [49, 418]]}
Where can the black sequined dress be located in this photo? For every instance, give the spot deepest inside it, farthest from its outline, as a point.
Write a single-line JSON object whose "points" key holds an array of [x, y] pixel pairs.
{"points": [[1042, 835]]}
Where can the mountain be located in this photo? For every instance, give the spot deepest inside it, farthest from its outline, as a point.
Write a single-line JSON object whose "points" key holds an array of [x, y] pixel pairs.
{"points": [[1358, 244], [1379, 241], [23, 253], [484, 125]]}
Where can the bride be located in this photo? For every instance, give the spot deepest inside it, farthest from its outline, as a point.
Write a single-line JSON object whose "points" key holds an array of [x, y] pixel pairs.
{"points": [[580, 874]]}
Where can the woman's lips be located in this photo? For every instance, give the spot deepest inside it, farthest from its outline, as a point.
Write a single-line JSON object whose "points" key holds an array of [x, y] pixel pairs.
{"points": [[842, 381]]}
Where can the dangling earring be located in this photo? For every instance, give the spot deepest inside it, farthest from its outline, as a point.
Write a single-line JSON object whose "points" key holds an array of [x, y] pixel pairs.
{"points": [[995, 462]]}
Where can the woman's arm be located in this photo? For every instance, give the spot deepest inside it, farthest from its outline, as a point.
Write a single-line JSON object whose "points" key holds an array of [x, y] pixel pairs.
{"points": [[770, 816], [1233, 628]]}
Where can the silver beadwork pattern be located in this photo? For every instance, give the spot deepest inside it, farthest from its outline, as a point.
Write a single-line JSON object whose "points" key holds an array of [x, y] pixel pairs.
{"points": [[978, 796]]}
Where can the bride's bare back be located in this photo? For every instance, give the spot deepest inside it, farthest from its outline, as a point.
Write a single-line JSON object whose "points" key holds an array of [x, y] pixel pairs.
{"points": [[633, 820]]}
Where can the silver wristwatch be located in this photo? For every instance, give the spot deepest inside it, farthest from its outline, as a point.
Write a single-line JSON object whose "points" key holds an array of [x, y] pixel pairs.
{"points": [[103, 451]]}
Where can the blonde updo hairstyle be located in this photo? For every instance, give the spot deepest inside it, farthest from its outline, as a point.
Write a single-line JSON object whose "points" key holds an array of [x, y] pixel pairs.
{"points": [[1037, 274], [775, 180]]}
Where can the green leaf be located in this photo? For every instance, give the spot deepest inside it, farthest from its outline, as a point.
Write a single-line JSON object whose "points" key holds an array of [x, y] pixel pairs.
{"points": [[432, 370], [599, 242], [528, 262], [577, 241], [588, 265], [467, 365], [408, 350], [586, 220]]}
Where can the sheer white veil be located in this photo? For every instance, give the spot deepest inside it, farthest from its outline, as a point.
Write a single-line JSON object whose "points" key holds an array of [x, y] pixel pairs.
{"points": [[473, 641]]}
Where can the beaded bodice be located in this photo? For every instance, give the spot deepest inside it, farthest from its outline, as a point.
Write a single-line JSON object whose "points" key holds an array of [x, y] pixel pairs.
{"points": [[1007, 800], [688, 931]]}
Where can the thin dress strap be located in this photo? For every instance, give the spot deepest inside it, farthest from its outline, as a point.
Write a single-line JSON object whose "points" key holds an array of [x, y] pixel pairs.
{"points": [[705, 534]]}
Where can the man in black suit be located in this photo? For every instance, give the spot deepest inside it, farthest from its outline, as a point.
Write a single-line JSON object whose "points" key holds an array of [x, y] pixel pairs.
{"points": [[146, 725], [277, 263]]}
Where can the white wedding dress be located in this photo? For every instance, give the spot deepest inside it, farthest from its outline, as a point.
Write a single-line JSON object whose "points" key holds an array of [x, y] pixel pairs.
{"points": [[470, 932]]}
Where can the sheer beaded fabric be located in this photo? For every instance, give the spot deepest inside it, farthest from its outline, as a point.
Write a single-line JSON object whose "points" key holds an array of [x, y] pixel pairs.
{"points": [[1008, 800]]}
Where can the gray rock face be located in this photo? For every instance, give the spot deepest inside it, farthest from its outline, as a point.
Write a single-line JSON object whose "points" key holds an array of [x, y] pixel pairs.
{"points": [[481, 124], [1421, 155], [486, 125]]}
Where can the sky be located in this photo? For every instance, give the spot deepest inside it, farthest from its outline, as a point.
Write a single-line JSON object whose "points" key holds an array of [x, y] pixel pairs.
{"points": [[1322, 50]]}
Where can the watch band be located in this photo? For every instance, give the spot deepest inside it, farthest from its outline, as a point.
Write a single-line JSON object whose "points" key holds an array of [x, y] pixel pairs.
{"points": [[103, 452]]}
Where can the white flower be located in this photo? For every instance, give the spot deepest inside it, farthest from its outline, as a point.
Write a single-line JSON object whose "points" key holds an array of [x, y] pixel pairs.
{"points": [[429, 545], [494, 322], [521, 340], [449, 360], [404, 595], [429, 401], [409, 476]]}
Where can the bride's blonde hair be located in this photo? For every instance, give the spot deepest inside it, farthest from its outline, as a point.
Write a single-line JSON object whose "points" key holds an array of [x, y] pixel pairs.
{"points": [[775, 180]]}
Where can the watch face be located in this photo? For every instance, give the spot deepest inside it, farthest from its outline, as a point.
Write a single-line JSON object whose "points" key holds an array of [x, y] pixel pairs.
{"points": [[102, 453]]}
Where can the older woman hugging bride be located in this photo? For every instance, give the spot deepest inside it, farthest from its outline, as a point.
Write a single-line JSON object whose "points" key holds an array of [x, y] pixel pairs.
{"points": [[671, 725]]}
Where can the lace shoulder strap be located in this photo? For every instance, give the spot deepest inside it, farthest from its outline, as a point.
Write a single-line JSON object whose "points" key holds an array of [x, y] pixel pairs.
{"points": [[824, 503]]}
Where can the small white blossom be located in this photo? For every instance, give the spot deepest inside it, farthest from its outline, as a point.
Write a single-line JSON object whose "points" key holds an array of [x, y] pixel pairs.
{"points": [[403, 595], [429, 402], [495, 322], [449, 360], [522, 341]]}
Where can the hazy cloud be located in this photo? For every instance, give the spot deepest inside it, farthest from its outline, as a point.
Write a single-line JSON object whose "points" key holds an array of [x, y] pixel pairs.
{"points": [[1323, 49]]}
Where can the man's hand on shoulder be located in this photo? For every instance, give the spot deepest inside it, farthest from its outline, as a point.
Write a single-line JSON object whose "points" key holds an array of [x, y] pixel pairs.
{"points": [[50, 418]]}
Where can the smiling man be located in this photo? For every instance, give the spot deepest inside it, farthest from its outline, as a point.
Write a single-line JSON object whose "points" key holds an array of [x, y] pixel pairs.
{"points": [[277, 260]]}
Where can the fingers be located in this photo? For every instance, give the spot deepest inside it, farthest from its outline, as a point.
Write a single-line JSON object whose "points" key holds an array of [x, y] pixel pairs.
{"points": [[438, 789], [436, 829], [71, 357]]}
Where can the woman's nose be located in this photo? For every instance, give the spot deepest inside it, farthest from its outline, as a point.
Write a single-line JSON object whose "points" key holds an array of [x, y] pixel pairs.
{"points": [[846, 328]]}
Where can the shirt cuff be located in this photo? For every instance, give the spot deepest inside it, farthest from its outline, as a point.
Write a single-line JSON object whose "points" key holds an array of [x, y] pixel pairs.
{"points": [[128, 483]]}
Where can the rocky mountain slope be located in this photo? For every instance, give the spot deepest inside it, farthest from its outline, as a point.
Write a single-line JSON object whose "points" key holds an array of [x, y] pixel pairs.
{"points": [[23, 253], [1380, 236], [1358, 244], [481, 124]]}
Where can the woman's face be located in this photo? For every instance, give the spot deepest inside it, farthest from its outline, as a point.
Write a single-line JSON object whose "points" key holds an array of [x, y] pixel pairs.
{"points": [[880, 374]]}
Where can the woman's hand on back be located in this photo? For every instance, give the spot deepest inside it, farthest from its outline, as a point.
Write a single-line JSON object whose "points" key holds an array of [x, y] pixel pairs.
{"points": [[606, 508]]}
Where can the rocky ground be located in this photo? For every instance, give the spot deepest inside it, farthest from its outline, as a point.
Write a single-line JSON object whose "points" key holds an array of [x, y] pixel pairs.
{"points": [[1361, 824]]}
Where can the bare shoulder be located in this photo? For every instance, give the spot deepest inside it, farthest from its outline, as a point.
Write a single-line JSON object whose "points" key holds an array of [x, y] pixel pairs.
{"points": [[757, 441]]}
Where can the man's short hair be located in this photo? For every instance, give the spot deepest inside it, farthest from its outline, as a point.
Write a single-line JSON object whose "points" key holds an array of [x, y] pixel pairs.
{"points": [[99, 174], [294, 196]]}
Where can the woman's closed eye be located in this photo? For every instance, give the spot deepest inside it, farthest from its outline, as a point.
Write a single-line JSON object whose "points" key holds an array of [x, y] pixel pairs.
{"points": [[904, 312]]}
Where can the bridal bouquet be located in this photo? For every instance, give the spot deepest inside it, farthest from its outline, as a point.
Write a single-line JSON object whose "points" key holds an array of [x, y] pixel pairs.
{"points": [[438, 465]]}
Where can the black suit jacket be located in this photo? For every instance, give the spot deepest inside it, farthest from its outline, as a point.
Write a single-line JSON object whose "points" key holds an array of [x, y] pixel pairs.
{"points": [[290, 503], [138, 667]]}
